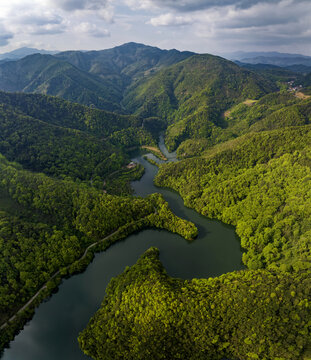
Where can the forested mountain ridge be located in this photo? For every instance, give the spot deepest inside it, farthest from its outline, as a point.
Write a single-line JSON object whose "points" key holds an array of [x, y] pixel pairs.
{"points": [[45, 74], [95, 78], [57, 111], [124, 63], [276, 73], [51, 135], [192, 95]]}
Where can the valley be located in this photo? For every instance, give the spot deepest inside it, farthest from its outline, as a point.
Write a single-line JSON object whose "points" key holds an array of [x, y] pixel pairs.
{"points": [[234, 144]]}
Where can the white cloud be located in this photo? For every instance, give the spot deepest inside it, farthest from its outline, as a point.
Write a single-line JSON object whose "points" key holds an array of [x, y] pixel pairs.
{"points": [[31, 21], [141, 4], [229, 27], [197, 25], [92, 30], [37, 21], [106, 14], [171, 20]]}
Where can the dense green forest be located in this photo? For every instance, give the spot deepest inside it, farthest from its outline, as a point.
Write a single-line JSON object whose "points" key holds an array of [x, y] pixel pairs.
{"points": [[276, 73], [241, 315], [47, 224], [93, 78], [62, 139], [45, 74], [56, 111], [272, 111], [261, 184], [124, 64], [245, 145], [55, 150], [192, 95]]}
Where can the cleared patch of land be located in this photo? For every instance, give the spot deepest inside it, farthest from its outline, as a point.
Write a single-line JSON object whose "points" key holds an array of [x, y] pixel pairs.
{"points": [[227, 113], [156, 151], [301, 95], [249, 102]]}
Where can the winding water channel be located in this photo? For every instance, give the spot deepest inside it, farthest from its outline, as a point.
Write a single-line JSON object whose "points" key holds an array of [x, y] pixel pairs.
{"points": [[53, 331]]}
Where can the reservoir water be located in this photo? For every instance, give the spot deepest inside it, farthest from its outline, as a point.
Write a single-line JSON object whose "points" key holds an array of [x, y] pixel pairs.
{"points": [[53, 331]]}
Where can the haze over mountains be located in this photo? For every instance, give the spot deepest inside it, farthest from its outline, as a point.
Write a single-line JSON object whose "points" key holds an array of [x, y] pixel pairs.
{"points": [[271, 58], [22, 52]]}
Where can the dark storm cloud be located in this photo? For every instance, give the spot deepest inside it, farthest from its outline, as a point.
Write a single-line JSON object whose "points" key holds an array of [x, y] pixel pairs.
{"points": [[71, 5]]}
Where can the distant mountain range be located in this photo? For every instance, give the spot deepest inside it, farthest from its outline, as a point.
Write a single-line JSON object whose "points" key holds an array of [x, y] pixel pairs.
{"points": [[272, 58], [108, 57], [22, 52]]}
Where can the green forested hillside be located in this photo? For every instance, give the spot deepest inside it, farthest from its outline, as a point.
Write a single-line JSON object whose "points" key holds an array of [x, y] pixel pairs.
{"points": [[56, 111], [193, 94], [93, 78], [51, 135], [47, 224], [261, 184], [275, 73], [48, 140], [272, 111], [124, 63], [241, 315], [48, 75], [54, 150]]}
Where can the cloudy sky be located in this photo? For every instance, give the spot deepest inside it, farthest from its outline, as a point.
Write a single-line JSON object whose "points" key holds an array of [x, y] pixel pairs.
{"points": [[213, 26]]}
